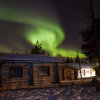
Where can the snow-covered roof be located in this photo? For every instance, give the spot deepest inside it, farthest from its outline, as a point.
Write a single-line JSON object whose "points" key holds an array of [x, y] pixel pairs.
{"points": [[28, 57], [82, 65]]}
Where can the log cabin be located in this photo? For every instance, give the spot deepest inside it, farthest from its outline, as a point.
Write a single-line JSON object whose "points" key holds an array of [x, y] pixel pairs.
{"points": [[24, 71], [19, 71]]}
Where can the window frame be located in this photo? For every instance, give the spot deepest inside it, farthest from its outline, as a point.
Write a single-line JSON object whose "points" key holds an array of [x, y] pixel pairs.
{"points": [[44, 70], [16, 71]]}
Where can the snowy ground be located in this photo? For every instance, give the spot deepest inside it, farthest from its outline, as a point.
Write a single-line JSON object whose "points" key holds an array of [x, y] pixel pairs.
{"points": [[61, 93]]}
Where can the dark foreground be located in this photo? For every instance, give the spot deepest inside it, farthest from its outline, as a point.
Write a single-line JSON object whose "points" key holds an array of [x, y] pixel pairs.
{"points": [[60, 93]]}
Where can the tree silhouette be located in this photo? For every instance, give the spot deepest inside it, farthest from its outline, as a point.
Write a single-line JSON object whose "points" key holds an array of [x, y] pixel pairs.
{"points": [[67, 60], [37, 49], [91, 41]]}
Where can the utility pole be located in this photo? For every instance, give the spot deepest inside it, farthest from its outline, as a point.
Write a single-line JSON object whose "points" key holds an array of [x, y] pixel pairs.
{"points": [[79, 64]]}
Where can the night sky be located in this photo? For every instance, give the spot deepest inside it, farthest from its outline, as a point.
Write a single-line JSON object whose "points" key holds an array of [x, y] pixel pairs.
{"points": [[56, 24]]}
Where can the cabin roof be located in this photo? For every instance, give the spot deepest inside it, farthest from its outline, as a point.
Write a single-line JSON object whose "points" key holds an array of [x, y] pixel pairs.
{"points": [[82, 65], [28, 57]]}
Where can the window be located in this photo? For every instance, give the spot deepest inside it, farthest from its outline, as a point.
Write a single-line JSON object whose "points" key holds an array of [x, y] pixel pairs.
{"points": [[45, 70], [87, 71], [16, 71], [90, 72]]}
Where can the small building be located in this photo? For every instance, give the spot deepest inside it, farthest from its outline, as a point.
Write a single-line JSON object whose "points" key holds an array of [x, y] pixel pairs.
{"points": [[67, 72], [86, 70], [19, 71]]}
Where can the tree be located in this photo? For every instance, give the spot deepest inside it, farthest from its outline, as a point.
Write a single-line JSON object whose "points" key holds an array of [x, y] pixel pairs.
{"points": [[71, 60], [67, 60], [37, 49], [91, 38]]}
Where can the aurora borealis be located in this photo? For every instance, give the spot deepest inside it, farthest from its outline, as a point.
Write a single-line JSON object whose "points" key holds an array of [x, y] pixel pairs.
{"points": [[46, 30]]}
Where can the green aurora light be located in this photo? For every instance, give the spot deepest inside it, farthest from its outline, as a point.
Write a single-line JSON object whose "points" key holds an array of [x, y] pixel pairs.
{"points": [[49, 33]]}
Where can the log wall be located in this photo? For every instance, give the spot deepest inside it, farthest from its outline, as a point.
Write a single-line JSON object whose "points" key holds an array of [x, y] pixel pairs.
{"points": [[67, 73], [23, 82]]}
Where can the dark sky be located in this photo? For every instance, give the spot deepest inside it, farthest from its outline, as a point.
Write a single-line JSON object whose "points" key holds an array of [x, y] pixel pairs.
{"points": [[73, 16]]}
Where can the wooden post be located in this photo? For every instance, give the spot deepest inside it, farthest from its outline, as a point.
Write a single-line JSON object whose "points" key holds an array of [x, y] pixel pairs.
{"points": [[79, 64]]}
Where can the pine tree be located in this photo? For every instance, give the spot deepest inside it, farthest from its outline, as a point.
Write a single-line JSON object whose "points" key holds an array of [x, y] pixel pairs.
{"points": [[91, 41], [37, 49]]}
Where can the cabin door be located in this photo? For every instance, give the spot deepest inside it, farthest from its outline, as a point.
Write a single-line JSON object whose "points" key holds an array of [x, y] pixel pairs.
{"points": [[56, 73], [69, 74], [30, 73], [66, 74]]}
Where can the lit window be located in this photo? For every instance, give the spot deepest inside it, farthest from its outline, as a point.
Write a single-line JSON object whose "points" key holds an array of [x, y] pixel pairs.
{"points": [[90, 72], [87, 71], [45, 70], [16, 71]]}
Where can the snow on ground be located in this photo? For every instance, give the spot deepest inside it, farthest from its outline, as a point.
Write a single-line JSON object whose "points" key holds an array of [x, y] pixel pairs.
{"points": [[60, 93]]}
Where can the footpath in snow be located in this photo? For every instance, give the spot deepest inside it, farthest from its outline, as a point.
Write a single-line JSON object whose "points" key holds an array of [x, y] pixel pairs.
{"points": [[60, 93]]}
